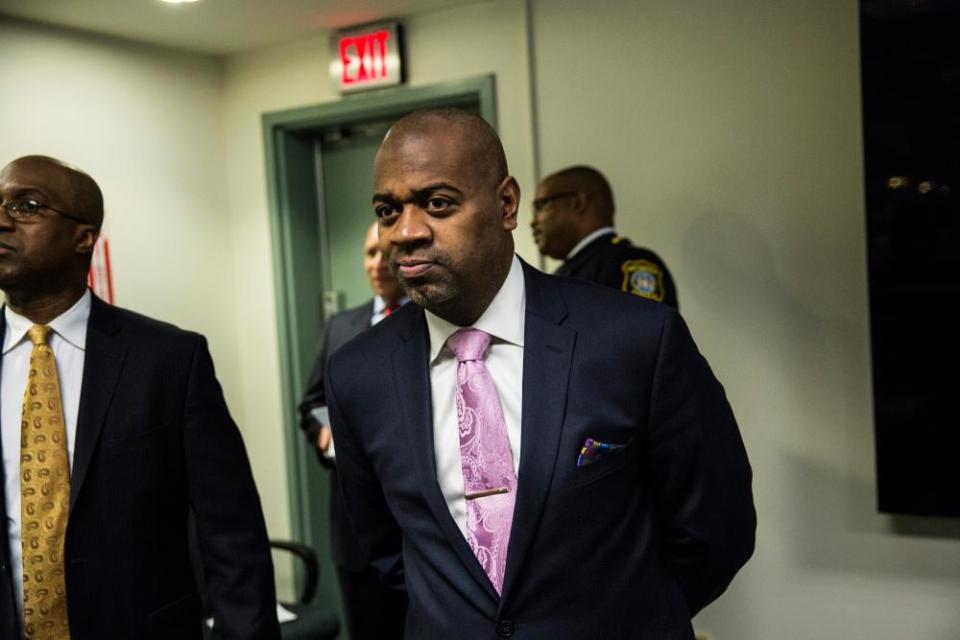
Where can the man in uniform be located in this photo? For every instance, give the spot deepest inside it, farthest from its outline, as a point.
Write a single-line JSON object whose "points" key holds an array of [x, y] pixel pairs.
{"points": [[373, 611], [114, 429], [573, 222]]}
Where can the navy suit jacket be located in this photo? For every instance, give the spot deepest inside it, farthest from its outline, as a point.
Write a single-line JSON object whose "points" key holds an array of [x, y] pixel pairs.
{"points": [[154, 441], [629, 547]]}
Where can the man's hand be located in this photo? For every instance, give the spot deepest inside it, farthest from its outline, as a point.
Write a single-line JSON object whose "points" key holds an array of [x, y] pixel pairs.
{"points": [[324, 438]]}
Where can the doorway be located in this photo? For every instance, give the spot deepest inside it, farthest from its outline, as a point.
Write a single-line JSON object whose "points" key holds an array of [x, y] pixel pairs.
{"points": [[319, 177]]}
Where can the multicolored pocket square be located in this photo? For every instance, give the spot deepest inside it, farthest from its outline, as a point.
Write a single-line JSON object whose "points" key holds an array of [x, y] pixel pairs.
{"points": [[594, 451]]}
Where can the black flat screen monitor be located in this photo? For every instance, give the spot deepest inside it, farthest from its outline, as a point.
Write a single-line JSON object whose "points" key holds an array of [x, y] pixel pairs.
{"points": [[911, 111]]}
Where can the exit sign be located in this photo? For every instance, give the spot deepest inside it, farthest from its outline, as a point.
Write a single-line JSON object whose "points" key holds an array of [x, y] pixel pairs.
{"points": [[367, 58]]}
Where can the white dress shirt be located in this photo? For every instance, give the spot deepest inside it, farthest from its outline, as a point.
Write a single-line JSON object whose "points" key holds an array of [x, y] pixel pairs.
{"points": [[504, 320], [68, 341], [587, 239]]}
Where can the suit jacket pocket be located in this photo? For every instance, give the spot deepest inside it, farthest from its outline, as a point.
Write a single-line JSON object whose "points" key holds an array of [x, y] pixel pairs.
{"points": [[180, 618], [611, 462]]}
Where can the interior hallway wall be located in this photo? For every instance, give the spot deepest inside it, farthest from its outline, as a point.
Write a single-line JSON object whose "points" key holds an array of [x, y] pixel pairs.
{"points": [[447, 45], [731, 134]]}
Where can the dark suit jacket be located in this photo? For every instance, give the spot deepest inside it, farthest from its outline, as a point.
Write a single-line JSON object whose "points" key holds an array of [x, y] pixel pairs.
{"points": [[154, 440], [339, 330], [607, 261], [629, 547]]}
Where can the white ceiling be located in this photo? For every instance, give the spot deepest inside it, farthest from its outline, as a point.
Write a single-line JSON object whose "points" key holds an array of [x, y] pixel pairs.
{"points": [[214, 26]]}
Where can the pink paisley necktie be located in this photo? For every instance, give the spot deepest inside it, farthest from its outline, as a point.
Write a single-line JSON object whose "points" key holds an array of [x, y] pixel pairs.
{"points": [[489, 480]]}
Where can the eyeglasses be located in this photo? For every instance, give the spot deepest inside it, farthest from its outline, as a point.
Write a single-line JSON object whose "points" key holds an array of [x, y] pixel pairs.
{"points": [[22, 209], [540, 203]]}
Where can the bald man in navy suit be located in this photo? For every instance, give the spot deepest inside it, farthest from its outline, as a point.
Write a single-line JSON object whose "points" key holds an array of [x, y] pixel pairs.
{"points": [[610, 493]]}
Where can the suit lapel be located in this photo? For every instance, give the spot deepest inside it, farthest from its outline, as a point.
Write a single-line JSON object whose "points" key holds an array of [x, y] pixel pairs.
{"points": [[103, 362], [547, 355], [412, 382]]}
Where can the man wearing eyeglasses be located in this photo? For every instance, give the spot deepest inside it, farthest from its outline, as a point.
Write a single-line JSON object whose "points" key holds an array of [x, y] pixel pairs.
{"points": [[113, 428], [573, 221]]}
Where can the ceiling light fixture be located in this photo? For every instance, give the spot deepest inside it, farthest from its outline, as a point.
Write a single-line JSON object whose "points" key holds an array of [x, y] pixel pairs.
{"points": [[178, 1]]}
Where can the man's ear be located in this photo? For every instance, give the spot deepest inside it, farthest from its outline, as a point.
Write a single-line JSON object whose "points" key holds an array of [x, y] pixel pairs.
{"points": [[509, 195], [579, 202], [86, 238]]}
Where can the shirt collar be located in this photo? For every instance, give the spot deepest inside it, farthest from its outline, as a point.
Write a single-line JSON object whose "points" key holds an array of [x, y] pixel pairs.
{"points": [[587, 239], [71, 325], [379, 304], [503, 319]]}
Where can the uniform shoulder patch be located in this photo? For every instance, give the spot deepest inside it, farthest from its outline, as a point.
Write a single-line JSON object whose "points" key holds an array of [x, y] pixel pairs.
{"points": [[643, 278]]}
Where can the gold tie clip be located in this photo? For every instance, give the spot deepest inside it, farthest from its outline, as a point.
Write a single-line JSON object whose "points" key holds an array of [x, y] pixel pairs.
{"points": [[486, 492]]}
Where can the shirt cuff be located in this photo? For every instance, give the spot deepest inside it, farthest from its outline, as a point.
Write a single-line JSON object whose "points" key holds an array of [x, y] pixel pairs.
{"points": [[321, 415]]}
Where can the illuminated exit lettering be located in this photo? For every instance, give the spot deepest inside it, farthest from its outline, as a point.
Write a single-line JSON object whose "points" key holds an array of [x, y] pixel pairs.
{"points": [[364, 57], [367, 57]]}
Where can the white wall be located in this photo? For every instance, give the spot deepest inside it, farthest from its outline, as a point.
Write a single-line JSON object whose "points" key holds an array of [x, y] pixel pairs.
{"points": [[731, 134]]}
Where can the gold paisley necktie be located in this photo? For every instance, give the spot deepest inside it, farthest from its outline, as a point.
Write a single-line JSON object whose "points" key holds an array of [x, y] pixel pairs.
{"points": [[44, 495]]}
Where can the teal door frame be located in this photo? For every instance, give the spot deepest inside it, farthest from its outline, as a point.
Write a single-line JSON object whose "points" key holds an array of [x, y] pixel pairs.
{"points": [[289, 144]]}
